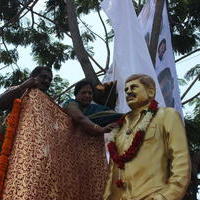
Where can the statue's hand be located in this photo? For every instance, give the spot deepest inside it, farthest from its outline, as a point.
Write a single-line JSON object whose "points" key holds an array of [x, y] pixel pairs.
{"points": [[155, 196]]}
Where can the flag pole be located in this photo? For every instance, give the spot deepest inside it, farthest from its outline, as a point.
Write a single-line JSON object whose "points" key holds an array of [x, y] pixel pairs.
{"points": [[156, 30]]}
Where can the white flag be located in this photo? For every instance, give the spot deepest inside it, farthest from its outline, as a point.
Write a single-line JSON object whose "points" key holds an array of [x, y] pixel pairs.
{"points": [[131, 55], [165, 62]]}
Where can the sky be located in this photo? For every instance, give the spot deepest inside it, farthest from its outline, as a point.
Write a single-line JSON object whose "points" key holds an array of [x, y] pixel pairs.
{"points": [[71, 69]]}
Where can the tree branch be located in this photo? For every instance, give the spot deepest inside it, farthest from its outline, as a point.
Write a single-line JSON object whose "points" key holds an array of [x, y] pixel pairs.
{"points": [[86, 26], [190, 86], [50, 20], [95, 62], [106, 41], [73, 85], [192, 98], [31, 9], [5, 46], [91, 57], [4, 67], [32, 14], [78, 44], [181, 58], [17, 16]]}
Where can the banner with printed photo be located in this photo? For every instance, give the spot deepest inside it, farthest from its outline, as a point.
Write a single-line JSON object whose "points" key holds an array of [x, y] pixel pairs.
{"points": [[165, 62], [131, 55]]}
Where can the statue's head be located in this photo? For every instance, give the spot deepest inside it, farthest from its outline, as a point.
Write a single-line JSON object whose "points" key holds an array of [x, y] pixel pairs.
{"points": [[140, 89]]}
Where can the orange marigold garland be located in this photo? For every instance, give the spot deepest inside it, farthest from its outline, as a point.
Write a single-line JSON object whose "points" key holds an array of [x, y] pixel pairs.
{"points": [[12, 123]]}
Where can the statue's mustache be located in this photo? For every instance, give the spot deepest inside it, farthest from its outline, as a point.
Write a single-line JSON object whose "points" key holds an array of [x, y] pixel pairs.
{"points": [[130, 95]]}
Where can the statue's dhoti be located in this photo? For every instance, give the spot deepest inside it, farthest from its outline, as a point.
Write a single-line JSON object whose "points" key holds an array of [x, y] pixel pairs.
{"points": [[51, 159]]}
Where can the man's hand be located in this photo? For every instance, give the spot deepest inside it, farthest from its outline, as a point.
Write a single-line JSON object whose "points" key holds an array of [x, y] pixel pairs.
{"points": [[33, 82], [105, 129], [109, 127]]}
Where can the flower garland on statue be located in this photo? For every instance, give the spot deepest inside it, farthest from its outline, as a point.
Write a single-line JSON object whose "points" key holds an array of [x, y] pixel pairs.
{"points": [[12, 123], [132, 151]]}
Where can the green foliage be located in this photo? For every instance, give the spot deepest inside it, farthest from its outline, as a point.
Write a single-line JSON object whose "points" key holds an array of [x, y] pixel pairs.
{"points": [[58, 86], [182, 82], [185, 22], [193, 132], [55, 10], [193, 72], [192, 124], [13, 78], [51, 54], [8, 9], [8, 57], [86, 6], [19, 36], [46, 37], [88, 37]]}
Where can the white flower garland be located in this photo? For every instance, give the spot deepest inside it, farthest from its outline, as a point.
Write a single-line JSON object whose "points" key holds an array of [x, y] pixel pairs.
{"points": [[143, 125]]}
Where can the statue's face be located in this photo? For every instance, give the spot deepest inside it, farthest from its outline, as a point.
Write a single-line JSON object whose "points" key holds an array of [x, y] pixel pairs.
{"points": [[136, 94]]}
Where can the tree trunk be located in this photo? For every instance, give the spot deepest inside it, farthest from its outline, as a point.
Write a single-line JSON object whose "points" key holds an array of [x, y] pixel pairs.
{"points": [[78, 44], [106, 96]]}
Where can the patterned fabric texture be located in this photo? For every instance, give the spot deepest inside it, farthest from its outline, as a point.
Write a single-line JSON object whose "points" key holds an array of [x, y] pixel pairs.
{"points": [[52, 158]]}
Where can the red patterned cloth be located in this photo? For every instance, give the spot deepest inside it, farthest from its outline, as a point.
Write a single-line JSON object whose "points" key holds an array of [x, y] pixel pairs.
{"points": [[52, 159]]}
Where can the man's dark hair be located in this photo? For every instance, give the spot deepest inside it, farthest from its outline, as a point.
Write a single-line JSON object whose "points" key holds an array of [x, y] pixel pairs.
{"points": [[166, 73], [81, 84], [39, 69]]}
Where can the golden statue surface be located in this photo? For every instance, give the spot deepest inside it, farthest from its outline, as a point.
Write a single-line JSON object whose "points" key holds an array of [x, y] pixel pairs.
{"points": [[152, 159]]}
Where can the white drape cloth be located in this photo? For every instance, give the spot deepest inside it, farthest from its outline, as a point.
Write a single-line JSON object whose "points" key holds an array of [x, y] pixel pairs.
{"points": [[131, 55]]}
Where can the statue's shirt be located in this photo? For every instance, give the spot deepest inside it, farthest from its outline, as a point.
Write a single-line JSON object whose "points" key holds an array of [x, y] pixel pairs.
{"points": [[162, 164]]}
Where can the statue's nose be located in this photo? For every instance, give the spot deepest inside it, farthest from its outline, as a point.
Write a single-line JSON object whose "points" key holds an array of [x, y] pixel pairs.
{"points": [[128, 91]]}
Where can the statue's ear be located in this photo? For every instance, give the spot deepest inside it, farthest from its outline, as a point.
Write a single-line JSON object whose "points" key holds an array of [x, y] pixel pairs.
{"points": [[151, 93]]}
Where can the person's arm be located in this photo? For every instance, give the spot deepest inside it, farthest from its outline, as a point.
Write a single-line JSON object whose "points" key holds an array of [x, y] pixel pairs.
{"points": [[90, 127], [7, 98], [178, 154]]}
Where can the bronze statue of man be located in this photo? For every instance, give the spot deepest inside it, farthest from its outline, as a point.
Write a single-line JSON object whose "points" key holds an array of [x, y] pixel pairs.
{"points": [[149, 152]]}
